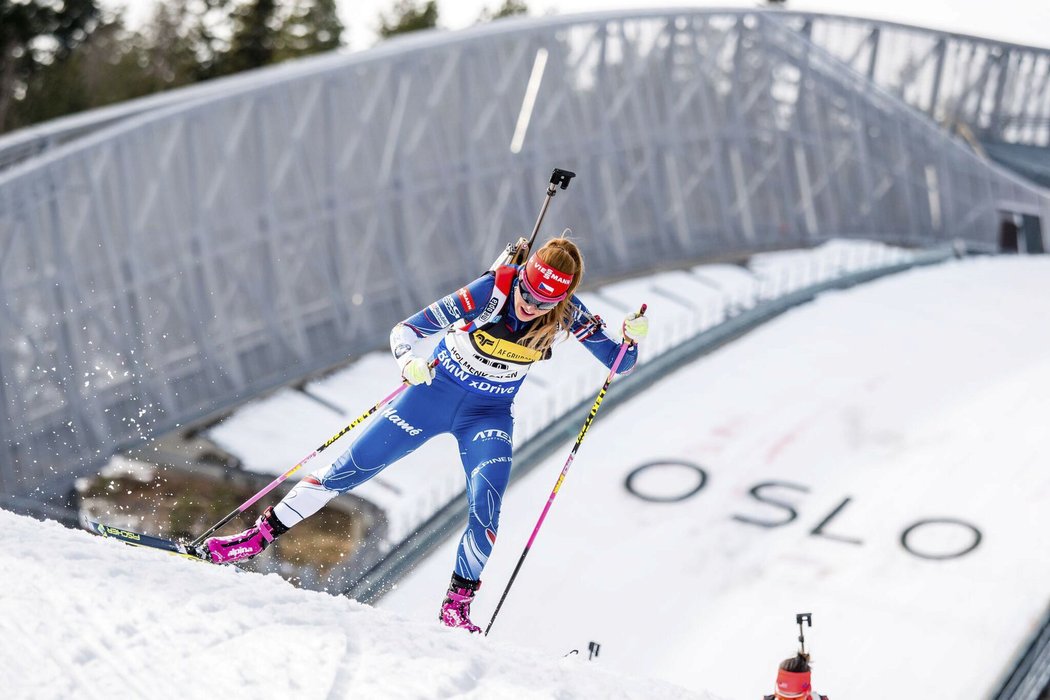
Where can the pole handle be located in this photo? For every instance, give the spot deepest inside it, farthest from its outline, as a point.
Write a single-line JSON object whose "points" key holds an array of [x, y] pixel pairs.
{"points": [[641, 312]]}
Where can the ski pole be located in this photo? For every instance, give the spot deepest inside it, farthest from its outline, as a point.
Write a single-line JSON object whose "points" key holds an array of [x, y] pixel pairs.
{"points": [[565, 470], [273, 484]]}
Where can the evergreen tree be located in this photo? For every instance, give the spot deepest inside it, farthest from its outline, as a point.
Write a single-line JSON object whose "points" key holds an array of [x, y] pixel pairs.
{"points": [[509, 8], [35, 34], [408, 16], [312, 27], [256, 36], [102, 70], [180, 43], [266, 32], [185, 41]]}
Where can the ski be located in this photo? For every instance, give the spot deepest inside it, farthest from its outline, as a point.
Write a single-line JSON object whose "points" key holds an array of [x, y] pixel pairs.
{"points": [[138, 539]]}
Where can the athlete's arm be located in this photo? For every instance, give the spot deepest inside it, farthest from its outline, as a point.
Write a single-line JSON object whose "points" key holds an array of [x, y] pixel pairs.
{"points": [[462, 306], [590, 330]]}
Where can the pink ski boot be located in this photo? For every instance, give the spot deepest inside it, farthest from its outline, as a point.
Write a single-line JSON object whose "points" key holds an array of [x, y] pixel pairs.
{"points": [[243, 545], [455, 610]]}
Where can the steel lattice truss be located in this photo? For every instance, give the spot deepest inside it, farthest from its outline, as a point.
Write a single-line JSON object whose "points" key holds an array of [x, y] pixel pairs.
{"points": [[999, 92], [194, 255]]}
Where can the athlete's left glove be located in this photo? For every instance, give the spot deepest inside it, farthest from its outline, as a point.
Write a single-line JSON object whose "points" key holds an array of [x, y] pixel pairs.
{"points": [[635, 327], [415, 370]]}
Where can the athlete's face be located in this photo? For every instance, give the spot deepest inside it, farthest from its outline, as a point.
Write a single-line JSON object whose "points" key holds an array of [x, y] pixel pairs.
{"points": [[526, 312]]}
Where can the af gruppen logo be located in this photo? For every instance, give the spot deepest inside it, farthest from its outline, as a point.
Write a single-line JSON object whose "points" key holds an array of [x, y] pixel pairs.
{"points": [[773, 494]]}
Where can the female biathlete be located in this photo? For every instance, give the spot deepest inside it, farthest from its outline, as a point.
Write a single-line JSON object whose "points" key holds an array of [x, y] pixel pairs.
{"points": [[497, 326]]}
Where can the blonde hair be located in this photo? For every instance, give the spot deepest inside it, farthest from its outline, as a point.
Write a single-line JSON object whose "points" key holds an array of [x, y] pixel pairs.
{"points": [[796, 664], [563, 255]]}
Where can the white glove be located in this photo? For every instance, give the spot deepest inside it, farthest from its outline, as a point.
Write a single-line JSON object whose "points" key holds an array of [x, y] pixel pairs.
{"points": [[635, 327], [416, 370]]}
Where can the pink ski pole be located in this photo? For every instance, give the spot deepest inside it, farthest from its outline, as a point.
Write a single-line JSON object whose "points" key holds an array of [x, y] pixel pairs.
{"points": [[273, 484], [561, 477]]}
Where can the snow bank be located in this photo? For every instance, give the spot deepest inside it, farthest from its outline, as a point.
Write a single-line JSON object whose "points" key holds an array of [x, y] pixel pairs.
{"points": [[84, 617]]}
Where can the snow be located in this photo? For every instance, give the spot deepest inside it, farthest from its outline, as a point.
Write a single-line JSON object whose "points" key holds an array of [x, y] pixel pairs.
{"points": [[85, 617], [920, 397], [907, 411]]}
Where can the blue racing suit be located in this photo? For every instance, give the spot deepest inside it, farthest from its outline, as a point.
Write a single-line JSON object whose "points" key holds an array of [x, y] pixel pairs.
{"points": [[480, 368]]}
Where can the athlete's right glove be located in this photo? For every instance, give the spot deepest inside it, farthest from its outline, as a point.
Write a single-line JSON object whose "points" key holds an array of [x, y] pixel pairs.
{"points": [[415, 370]]}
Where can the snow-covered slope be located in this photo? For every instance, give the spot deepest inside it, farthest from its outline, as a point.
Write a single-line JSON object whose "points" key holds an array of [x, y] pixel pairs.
{"points": [[84, 617], [877, 458]]}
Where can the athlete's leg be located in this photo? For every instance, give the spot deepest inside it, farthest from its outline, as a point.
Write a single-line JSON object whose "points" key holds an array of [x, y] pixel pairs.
{"points": [[484, 436], [399, 429], [486, 452], [417, 416]]}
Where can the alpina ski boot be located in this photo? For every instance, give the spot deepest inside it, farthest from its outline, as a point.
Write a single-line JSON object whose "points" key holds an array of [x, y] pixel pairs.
{"points": [[455, 610], [222, 550]]}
